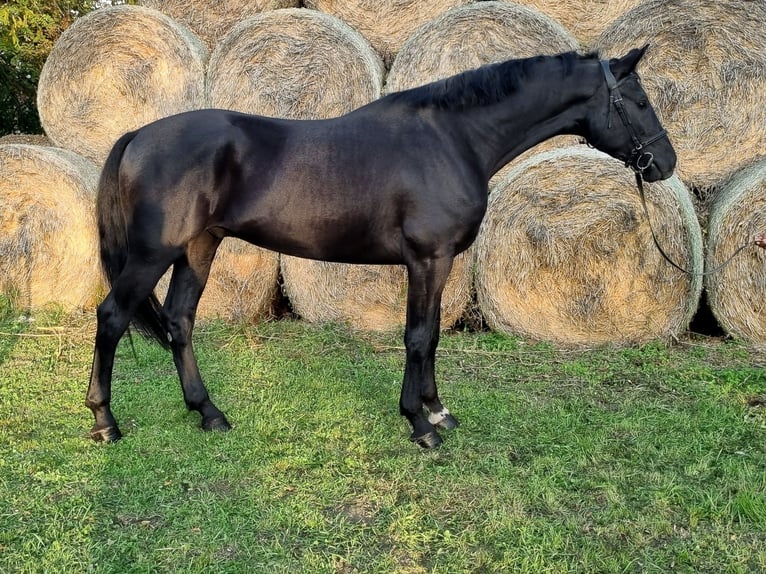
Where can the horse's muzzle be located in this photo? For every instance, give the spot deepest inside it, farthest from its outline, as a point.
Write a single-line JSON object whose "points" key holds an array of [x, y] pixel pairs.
{"points": [[655, 173]]}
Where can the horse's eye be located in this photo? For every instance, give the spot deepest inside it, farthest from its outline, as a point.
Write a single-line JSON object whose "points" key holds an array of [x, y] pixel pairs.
{"points": [[642, 103]]}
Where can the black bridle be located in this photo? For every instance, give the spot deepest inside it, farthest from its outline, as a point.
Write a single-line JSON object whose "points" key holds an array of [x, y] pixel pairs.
{"points": [[640, 160]]}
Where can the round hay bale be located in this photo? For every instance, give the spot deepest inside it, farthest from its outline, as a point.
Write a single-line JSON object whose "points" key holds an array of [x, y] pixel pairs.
{"points": [[473, 36], [242, 286], [293, 63], [565, 253], [705, 74], [48, 234], [114, 70], [736, 292], [212, 20], [585, 19], [385, 23], [366, 297]]}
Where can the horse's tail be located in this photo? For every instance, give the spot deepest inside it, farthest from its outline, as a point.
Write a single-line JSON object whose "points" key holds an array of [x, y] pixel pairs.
{"points": [[112, 216]]}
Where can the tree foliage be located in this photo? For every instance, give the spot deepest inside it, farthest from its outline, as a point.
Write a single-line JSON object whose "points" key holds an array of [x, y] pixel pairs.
{"points": [[28, 30]]}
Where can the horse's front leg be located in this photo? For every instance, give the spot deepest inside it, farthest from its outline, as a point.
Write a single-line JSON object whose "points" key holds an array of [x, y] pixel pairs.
{"points": [[426, 283]]}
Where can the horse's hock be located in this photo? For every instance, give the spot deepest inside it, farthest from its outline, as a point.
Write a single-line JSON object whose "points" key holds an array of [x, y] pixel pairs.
{"points": [[565, 253], [736, 292], [48, 238]]}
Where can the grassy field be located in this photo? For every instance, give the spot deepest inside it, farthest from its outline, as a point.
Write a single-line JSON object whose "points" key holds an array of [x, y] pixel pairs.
{"points": [[649, 459]]}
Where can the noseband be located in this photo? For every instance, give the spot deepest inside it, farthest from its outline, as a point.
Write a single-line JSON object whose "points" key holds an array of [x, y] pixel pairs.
{"points": [[638, 160]]}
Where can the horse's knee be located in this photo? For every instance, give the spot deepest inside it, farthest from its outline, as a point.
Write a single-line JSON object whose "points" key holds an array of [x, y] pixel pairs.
{"points": [[111, 323], [420, 344]]}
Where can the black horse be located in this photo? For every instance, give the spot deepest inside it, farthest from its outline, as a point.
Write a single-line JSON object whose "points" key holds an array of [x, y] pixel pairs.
{"points": [[402, 180]]}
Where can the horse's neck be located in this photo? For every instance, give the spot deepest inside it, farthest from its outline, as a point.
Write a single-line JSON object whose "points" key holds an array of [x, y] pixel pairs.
{"points": [[543, 108]]}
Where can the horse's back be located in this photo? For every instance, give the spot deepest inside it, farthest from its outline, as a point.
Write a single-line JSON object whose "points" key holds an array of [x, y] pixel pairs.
{"points": [[342, 189]]}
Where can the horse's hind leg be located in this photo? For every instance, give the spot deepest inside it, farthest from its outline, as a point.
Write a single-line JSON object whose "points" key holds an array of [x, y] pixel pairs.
{"points": [[426, 283], [129, 290], [190, 274]]}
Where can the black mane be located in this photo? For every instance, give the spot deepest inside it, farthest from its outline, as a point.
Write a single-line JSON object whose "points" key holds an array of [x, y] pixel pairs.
{"points": [[488, 84]]}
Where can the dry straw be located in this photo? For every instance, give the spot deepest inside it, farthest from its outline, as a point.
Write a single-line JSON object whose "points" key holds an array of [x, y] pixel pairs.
{"points": [[565, 253], [31, 139], [585, 19], [48, 238], [114, 70], [736, 292], [212, 20], [475, 35], [706, 76], [385, 23]]}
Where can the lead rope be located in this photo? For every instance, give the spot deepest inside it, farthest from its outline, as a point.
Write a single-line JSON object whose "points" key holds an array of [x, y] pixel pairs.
{"points": [[640, 161], [758, 241]]}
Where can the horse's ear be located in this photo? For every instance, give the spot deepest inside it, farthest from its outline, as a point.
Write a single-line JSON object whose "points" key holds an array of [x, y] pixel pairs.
{"points": [[621, 67]]}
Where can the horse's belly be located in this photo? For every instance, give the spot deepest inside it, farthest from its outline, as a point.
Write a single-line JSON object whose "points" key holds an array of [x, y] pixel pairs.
{"points": [[347, 242]]}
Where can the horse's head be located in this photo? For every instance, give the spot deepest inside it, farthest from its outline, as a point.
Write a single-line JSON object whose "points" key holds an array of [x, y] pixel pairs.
{"points": [[623, 124]]}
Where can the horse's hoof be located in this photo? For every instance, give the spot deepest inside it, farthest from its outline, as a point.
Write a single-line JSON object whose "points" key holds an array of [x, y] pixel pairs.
{"points": [[448, 423], [108, 434], [428, 440], [216, 424]]}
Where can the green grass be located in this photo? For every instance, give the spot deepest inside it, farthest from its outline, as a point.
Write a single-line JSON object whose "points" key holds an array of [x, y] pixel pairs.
{"points": [[643, 459]]}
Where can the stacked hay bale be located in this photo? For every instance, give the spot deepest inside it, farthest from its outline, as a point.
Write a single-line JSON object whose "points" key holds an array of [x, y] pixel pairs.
{"points": [[472, 36], [706, 76], [30, 139], [385, 23], [121, 67], [115, 70], [48, 237], [211, 21], [293, 63], [737, 293], [565, 253], [585, 19], [475, 35]]}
